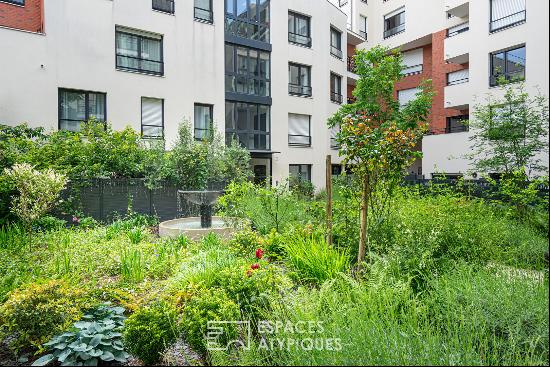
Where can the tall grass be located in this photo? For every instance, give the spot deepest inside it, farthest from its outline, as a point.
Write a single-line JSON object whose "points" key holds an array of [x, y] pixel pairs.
{"points": [[131, 266], [314, 259]]}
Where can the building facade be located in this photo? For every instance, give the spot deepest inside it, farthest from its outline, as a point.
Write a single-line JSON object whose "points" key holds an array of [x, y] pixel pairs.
{"points": [[267, 73]]}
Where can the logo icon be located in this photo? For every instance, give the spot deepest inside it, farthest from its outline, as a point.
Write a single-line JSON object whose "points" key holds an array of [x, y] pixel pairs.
{"points": [[218, 332]]}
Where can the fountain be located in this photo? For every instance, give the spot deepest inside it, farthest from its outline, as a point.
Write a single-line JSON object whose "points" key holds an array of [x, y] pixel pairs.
{"points": [[197, 227]]}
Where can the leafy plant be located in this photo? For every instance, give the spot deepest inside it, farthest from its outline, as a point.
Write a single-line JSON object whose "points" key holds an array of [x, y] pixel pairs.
{"points": [[150, 330], [97, 337], [12, 237], [131, 266], [136, 235]]}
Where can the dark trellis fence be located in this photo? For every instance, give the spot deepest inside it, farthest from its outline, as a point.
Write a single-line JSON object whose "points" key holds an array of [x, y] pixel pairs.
{"points": [[105, 199]]}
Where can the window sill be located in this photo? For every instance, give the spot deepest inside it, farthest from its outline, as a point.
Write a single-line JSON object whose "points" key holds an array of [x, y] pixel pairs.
{"points": [[301, 96], [140, 72], [299, 45], [164, 12], [203, 21]]}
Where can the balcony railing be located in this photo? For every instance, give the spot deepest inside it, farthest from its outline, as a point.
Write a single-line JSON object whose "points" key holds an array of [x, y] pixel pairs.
{"points": [[166, 6], [299, 39], [515, 76], [412, 70], [456, 30], [299, 90], [299, 140], [508, 21], [141, 65], [351, 64], [204, 15], [334, 51], [336, 97], [395, 30], [363, 34]]}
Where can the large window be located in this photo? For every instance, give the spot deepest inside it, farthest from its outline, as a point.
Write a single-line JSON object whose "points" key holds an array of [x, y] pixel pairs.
{"points": [[336, 88], [203, 11], [77, 106], [457, 124], [247, 71], [203, 120], [413, 62], [363, 26], [299, 80], [248, 19], [507, 13], [336, 43], [249, 124], [508, 64], [406, 95], [299, 29], [139, 51], [166, 6], [152, 118], [299, 130], [394, 22], [300, 171]]}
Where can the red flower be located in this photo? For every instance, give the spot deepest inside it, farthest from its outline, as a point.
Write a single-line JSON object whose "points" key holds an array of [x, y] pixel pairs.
{"points": [[259, 253], [255, 266]]}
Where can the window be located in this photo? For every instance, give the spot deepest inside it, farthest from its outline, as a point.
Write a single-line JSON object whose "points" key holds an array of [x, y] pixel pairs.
{"points": [[336, 43], [508, 64], [299, 29], [457, 124], [458, 29], [336, 169], [249, 124], [333, 134], [336, 88], [299, 83], [203, 120], [16, 2], [76, 107], [300, 171], [166, 6], [406, 95], [248, 19], [394, 22], [139, 51], [363, 26], [299, 130], [152, 118], [506, 14], [413, 62], [458, 77], [203, 11], [247, 71]]}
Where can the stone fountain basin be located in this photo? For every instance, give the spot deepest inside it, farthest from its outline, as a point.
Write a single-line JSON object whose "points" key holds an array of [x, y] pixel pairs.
{"points": [[191, 228]]}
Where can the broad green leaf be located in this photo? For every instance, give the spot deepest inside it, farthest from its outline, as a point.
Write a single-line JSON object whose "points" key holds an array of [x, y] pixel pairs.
{"points": [[107, 356], [44, 360]]}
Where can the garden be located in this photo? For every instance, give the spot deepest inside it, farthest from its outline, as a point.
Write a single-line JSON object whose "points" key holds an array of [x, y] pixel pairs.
{"points": [[368, 272]]}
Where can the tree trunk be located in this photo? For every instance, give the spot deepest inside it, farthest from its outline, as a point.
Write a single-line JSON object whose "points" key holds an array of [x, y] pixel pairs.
{"points": [[363, 222]]}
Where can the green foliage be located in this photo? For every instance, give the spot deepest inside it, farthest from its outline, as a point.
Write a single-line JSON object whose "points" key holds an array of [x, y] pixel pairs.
{"points": [[206, 305], [37, 311], [136, 235], [131, 265], [150, 330], [301, 188], [313, 258], [12, 237], [95, 338], [49, 223]]}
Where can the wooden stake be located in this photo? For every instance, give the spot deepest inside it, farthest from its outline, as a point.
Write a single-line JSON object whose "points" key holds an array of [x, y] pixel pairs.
{"points": [[329, 198]]}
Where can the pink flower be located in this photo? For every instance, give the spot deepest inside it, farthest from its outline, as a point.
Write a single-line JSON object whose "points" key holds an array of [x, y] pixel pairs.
{"points": [[255, 266], [75, 219], [259, 253]]}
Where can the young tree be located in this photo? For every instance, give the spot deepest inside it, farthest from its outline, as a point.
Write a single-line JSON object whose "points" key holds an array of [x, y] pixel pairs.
{"points": [[378, 138], [38, 192]]}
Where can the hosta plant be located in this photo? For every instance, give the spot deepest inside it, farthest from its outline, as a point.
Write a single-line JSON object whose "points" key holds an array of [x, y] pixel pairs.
{"points": [[94, 339]]}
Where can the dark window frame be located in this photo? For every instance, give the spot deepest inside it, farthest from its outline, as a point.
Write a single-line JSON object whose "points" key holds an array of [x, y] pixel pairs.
{"points": [[210, 125], [209, 19], [140, 70], [449, 128], [300, 171], [248, 75], [301, 145], [336, 50], [233, 21], [399, 28], [142, 125], [294, 37], [87, 105], [170, 9], [336, 96], [233, 133], [14, 2], [493, 78], [492, 22], [306, 90]]}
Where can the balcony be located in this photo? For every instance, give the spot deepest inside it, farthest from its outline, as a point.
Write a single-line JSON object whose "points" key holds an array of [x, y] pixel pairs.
{"points": [[351, 64], [165, 6], [457, 47], [336, 97], [458, 8], [458, 95], [508, 21], [394, 31], [458, 29]]}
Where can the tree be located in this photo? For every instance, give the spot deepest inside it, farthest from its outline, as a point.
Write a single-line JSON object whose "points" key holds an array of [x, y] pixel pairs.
{"points": [[378, 138], [38, 192]]}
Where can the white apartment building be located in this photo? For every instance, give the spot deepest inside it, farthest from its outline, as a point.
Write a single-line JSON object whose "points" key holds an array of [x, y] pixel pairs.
{"points": [[268, 73]]}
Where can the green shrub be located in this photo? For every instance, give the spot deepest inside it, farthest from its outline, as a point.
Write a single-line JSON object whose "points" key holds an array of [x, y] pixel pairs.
{"points": [[87, 223], [206, 305], [136, 235], [313, 258], [93, 339], [150, 330], [131, 265], [36, 312], [12, 237], [49, 223]]}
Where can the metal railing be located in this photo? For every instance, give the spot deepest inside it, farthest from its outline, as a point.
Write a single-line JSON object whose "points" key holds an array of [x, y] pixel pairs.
{"points": [[295, 140], [395, 30], [508, 21], [334, 51], [363, 34], [351, 64], [140, 65], [204, 15], [456, 30], [166, 6], [336, 97], [299, 90], [299, 39]]}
